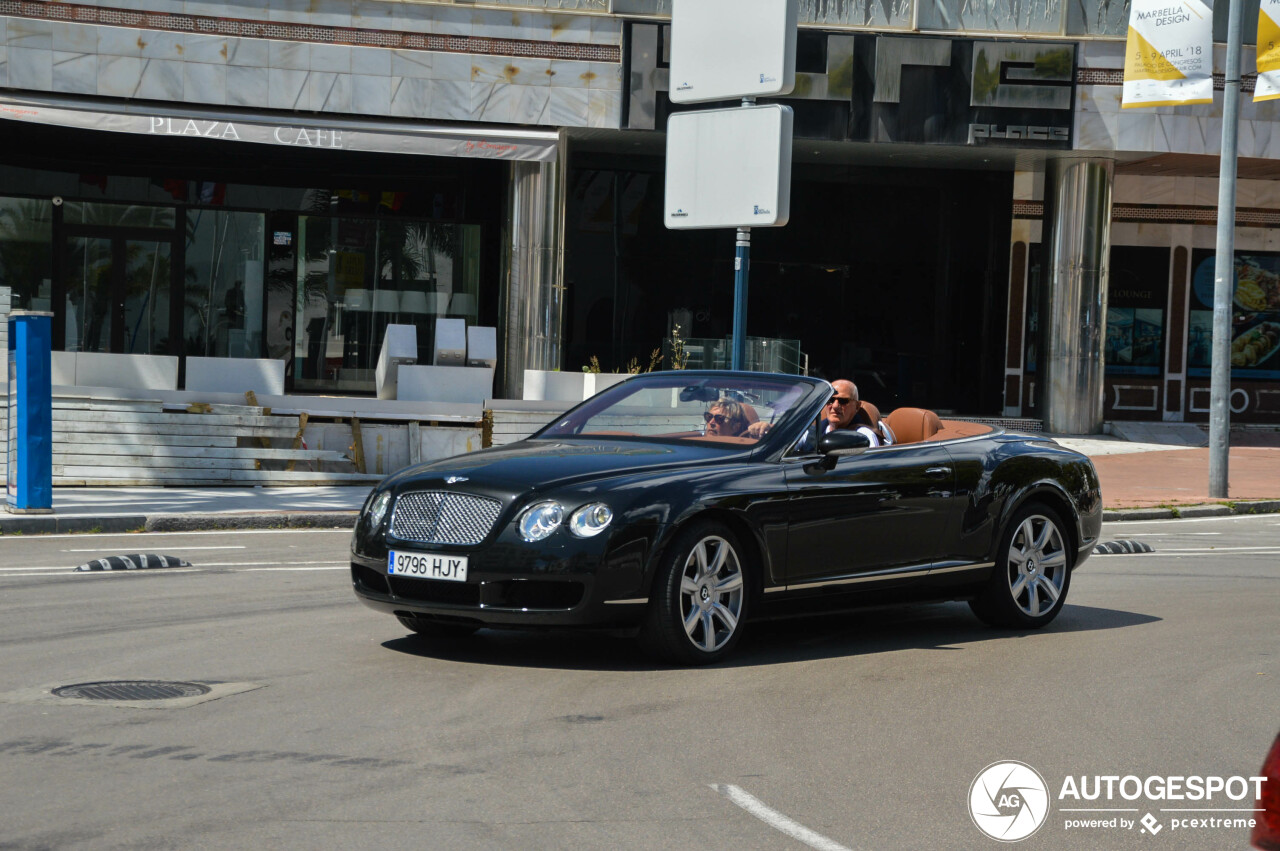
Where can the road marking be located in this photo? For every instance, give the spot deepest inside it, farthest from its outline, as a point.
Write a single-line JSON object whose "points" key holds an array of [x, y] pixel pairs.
{"points": [[777, 820], [86, 536], [228, 547]]}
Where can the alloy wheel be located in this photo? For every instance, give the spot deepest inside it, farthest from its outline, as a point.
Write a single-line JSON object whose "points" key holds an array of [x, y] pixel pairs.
{"points": [[711, 593], [1037, 565]]}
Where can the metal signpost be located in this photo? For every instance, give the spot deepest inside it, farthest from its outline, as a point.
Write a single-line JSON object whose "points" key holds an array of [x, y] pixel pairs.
{"points": [[29, 414], [731, 170]]}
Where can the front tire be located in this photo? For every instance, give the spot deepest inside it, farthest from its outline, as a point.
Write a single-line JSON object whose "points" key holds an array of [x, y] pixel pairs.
{"points": [[700, 597], [1029, 585]]}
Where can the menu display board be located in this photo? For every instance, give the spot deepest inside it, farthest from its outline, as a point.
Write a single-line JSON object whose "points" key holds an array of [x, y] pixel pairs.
{"points": [[1255, 316]]}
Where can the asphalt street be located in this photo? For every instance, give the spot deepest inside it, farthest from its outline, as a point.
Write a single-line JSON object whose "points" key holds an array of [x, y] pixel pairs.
{"points": [[332, 728]]}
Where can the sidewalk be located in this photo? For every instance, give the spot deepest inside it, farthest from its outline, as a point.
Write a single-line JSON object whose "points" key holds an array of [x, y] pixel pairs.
{"points": [[1147, 471]]}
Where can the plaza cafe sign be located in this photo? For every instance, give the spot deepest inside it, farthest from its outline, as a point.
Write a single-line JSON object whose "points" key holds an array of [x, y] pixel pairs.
{"points": [[305, 137]]}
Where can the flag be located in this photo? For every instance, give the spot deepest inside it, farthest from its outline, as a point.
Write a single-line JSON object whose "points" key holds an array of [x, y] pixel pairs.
{"points": [[1168, 58], [212, 193], [1268, 85]]}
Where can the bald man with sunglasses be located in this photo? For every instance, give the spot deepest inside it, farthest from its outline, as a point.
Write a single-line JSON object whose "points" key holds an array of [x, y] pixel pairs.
{"points": [[841, 412]]}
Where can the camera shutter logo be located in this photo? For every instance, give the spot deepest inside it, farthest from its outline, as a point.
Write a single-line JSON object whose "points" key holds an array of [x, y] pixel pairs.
{"points": [[1008, 801]]}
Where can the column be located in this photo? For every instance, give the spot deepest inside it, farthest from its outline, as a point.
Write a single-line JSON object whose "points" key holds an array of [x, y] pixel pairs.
{"points": [[533, 256], [1076, 247]]}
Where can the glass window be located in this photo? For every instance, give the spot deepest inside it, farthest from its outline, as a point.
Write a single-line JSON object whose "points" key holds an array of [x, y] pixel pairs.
{"points": [[223, 310], [1098, 18], [1255, 316], [119, 215], [26, 264], [1137, 295]]}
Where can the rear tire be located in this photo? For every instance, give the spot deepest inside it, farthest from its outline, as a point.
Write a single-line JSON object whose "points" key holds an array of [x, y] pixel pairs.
{"points": [[700, 597], [1029, 585], [435, 629]]}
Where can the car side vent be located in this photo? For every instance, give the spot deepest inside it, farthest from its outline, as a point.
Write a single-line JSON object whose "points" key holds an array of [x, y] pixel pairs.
{"points": [[442, 517]]}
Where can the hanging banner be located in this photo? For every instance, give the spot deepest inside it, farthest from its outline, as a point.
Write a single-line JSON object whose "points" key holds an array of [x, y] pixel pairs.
{"points": [[1268, 85], [1168, 59]]}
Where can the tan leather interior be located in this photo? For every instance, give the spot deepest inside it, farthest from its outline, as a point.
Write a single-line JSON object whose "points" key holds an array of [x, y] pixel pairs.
{"points": [[912, 425]]}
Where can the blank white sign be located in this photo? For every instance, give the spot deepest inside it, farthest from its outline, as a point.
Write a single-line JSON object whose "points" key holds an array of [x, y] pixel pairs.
{"points": [[729, 168], [723, 49]]}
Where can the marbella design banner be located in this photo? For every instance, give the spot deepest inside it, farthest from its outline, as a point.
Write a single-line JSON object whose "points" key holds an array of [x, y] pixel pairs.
{"points": [[1168, 59], [1268, 85]]}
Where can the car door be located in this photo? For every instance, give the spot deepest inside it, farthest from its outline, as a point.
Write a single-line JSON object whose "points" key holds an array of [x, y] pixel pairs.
{"points": [[876, 518]]}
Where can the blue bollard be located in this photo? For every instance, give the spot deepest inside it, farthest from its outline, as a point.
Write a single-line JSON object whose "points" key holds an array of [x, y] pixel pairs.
{"points": [[29, 414]]}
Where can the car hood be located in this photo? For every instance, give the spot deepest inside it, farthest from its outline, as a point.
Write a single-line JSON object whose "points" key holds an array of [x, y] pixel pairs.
{"points": [[546, 464]]}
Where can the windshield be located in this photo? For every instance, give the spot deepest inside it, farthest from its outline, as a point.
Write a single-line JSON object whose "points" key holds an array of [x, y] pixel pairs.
{"points": [[729, 409]]}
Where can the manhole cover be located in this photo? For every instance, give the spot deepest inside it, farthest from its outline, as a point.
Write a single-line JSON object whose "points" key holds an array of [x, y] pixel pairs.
{"points": [[132, 690]]}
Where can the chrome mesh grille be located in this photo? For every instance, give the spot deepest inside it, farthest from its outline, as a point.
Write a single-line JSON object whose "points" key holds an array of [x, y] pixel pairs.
{"points": [[441, 517]]}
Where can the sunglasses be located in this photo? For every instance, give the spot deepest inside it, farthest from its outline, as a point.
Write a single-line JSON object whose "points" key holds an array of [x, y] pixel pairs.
{"points": [[719, 419], [840, 400]]}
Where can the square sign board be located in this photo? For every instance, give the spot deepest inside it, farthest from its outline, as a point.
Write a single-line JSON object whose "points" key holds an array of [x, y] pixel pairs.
{"points": [[729, 168], [723, 49]]}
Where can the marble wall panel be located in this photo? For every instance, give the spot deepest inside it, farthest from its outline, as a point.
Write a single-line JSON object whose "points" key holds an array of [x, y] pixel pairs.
{"points": [[120, 41], [606, 30], [118, 75], [449, 98], [604, 75], [569, 28], [206, 49], [75, 38], [4, 65], [287, 89], [501, 23], [157, 44], [568, 74], [452, 66], [329, 92], [370, 95], [289, 55], [532, 105], [204, 83], [251, 52], [410, 96], [324, 13], [569, 107], [371, 61], [451, 20], [247, 86], [371, 14], [30, 68], [412, 63], [493, 102], [335, 58], [75, 73], [161, 80], [30, 35], [604, 108]]}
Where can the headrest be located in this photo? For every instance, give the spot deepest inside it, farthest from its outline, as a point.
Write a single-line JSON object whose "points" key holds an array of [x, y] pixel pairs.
{"points": [[912, 425], [868, 413]]}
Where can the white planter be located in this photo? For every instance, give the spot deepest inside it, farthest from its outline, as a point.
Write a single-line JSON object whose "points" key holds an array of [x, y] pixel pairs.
{"points": [[553, 386]]}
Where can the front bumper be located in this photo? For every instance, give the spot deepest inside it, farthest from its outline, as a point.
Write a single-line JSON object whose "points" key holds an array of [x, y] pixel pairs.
{"points": [[567, 582]]}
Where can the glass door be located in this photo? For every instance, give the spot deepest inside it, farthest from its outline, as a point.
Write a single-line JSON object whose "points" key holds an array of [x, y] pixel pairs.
{"points": [[116, 293]]}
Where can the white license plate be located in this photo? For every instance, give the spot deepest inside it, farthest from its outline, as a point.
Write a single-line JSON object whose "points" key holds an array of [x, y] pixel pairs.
{"points": [[427, 566]]}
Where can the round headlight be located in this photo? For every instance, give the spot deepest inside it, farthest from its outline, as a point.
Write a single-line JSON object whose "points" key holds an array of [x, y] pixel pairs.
{"points": [[540, 520], [590, 519], [377, 509]]}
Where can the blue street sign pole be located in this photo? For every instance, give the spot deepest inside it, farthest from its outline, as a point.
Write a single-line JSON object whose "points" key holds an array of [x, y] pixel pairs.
{"points": [[741, 260], [29, 414]]}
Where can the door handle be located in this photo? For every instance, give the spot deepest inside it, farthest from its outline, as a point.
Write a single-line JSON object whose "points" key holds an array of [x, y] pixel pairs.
{"points": [[938, 472]]}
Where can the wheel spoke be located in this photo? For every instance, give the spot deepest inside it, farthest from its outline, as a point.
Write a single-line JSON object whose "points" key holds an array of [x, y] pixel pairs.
{"points": [[1050, 590], [700, 554], [1045, 531], [691, 620], [1018, 584], [729, 584], [727, 617], [688, 586], [1058, 559], [1017, 558], [708, 632], [722, 552], [1033, 600]]}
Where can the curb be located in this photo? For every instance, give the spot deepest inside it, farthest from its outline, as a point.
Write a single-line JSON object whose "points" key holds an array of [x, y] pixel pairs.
{"points": [[1264, 506], [51, 524], [265, 520]]}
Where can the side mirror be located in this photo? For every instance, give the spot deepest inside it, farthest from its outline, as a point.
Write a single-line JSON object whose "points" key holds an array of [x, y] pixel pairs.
{"points": [[843, 442], [835, 445]]}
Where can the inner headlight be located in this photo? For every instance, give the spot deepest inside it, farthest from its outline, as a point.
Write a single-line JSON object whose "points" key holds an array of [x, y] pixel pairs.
{"points": [[590, 519], [540, 520], [377, 509]]}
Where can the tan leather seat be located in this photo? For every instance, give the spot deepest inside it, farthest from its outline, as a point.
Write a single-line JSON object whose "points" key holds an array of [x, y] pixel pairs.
{"points": [[912, 425]]}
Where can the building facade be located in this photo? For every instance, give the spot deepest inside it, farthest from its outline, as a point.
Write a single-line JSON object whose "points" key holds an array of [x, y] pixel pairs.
{"points": [[977, 226]]}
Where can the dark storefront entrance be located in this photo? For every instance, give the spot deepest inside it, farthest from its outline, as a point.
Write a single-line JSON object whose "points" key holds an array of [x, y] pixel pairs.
{"points": [[895, 278]]}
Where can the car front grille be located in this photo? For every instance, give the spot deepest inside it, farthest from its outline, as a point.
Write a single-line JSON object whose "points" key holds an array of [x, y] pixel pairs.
{"points": [[441, 517]]}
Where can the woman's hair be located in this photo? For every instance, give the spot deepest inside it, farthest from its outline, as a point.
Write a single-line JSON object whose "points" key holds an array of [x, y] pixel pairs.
{"points": [[737, 421]]}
